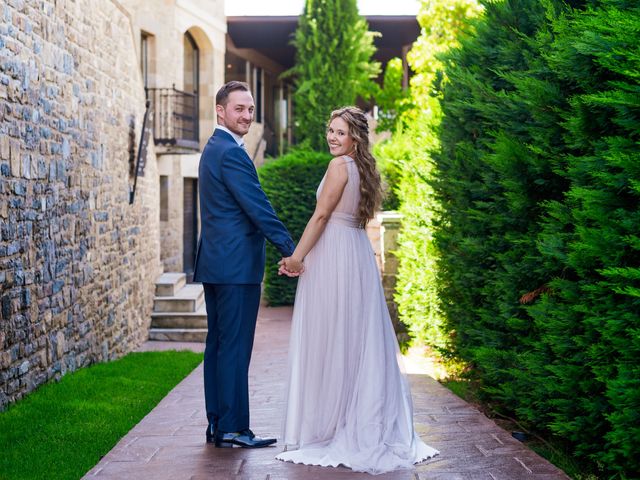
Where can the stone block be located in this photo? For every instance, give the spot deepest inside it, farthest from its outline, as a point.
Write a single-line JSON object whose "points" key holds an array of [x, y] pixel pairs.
{"points": [[60, 344], [5, 360], [14, 157], [24, 367], [20, 188], [26, 166], [5, 147], [6, 307]]}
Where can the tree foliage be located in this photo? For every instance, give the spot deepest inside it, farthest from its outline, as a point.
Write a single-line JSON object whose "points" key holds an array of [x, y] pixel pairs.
{"points": [[333, 65], [392, 99], [408, 158], [538, 236], [520, 188]]}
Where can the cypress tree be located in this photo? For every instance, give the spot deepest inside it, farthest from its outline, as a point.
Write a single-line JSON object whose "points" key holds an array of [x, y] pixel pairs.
{"points": [[539, 234], [593, 311], [333, 65], [492, 181]]}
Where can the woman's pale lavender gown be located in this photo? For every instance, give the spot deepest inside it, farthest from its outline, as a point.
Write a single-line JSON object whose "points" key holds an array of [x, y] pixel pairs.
{"points": [[347, 401]]}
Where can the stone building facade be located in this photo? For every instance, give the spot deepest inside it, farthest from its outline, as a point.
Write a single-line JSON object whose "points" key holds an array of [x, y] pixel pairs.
{"points": [[181, 46], [78, 261]]}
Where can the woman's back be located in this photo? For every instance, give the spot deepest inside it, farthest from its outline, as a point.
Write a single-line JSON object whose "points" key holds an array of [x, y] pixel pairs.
{"points": [[346, 212]]}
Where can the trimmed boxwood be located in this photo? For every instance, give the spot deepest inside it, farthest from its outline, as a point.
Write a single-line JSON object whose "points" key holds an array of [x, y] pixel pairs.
{"points": [[290, 182]]}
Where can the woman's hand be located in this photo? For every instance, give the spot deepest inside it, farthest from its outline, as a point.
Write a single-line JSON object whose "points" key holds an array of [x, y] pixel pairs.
{"points": [[290, 266], [293, 265]]}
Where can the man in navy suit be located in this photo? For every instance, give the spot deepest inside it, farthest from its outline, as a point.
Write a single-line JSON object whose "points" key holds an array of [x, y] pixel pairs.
{"points": [[236, 219]]}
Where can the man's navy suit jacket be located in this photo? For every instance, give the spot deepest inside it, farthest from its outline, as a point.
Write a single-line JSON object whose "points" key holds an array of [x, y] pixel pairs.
{"points": [[236, 217]]}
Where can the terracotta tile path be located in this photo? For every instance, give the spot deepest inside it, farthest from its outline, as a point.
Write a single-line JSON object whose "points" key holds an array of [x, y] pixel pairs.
{"points": [[169, 442]]}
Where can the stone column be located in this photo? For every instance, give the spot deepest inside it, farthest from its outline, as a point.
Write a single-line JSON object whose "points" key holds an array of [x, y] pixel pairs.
{"points": [[389, 228]]}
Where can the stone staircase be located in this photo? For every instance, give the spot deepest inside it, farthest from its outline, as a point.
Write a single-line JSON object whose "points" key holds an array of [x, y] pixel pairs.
{"points": [[179, 313]]}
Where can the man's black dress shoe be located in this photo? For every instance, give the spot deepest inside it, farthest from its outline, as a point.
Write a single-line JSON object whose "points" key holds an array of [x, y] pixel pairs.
{"points": [[245, 439], [211, 431]]}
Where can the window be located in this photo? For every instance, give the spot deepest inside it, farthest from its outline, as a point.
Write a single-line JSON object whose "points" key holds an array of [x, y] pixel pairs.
{"points": [[144, 58], [191, 64], [236, 67]]}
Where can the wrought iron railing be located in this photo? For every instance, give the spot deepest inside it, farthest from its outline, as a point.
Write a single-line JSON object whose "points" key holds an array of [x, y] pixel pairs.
{"points": [[175, 117]]}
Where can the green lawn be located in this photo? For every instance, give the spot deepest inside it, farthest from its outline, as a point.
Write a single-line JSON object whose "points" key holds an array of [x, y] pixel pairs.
{"points": [[63, 429]]}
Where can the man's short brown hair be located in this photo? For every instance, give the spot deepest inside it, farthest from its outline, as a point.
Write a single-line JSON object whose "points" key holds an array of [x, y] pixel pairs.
{"points": [[222, 96]]}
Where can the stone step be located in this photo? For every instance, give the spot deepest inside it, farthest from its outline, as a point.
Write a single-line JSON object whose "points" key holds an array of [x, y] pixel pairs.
{"points": [[168, 284], [184, 320], [188, 299], [178, 334]]}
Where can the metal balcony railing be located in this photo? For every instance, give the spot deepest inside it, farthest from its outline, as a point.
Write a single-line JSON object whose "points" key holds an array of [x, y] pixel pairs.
{"points": [[175, 117]]}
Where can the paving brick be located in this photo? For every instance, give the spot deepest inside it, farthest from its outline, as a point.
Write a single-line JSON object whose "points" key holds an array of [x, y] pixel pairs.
{"points": [[169, 442]]}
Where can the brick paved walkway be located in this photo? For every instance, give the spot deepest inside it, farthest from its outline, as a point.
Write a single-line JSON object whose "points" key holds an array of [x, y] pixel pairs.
{"points": [[169, 442]]}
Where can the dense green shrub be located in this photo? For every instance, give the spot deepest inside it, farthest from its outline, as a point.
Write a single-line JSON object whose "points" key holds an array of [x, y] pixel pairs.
{"points": [[538, 239], [491, 183], [388, 155], [416, 293], [392, 99], [594, 233], [290, 182], [407, 156], [333, 65]]}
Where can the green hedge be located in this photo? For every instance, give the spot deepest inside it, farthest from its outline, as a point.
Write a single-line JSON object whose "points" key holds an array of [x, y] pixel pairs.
{"points": [[416, 293], [539, 238], [408, 158], [290, 182], [389, 159]]}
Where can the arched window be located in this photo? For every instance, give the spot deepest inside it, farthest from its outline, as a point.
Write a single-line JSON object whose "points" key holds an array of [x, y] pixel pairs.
{"points": [[191, 65]]}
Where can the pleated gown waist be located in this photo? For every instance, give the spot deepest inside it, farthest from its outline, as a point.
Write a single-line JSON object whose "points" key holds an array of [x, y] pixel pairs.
{"points": [[344, 219]]}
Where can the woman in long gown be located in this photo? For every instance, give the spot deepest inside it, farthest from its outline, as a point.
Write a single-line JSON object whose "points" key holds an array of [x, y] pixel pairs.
{"points": [[347, 401]]}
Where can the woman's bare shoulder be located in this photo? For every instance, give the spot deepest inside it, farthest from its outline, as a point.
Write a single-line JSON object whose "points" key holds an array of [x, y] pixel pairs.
{"points": [[337, 170], [340, 161]]}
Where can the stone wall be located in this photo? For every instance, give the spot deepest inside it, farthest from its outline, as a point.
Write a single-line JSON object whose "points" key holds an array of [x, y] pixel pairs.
{"points": [[165, 26], [77, 262], [166, 22]]}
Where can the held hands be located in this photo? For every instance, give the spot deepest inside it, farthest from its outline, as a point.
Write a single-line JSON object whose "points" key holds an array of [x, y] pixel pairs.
{"points": [[290, 267]]}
